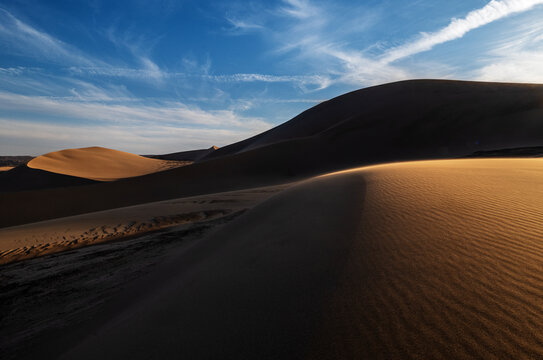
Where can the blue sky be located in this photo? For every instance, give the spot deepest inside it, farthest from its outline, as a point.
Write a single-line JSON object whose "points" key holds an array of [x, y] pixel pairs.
{"points": [[158, 76]]}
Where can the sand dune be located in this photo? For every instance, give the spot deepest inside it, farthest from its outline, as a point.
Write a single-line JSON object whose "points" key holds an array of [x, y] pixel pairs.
{"points": [[97, 163], [6, 168], [408, 120], [53, 236], [198, 179], [23, 178], [436, 259], [191, 155]]}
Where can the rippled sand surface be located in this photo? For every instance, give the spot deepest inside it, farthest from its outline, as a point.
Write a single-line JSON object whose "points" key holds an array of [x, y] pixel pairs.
{"points": [[447, 261]]}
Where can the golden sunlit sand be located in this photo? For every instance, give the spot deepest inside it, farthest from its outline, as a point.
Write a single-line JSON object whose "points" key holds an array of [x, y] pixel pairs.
{"points": [[5, 168], [97, 163], [430, 259]]}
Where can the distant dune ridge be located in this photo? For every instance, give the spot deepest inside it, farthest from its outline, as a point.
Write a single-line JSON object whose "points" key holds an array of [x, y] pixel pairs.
{"points": [[408, 120], [12, 161], [76, 167], [98, 163]]}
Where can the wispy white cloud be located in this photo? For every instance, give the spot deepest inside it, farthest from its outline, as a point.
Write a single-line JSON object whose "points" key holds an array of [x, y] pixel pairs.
{"points": [[523, 66], [359, 69], [515, 58], [11, 71], [301, 9], [243, 25], [309, 38], [318, 81], [25, 39], [100, 118], [307, 82], [33, 138], [150, 71], [169, 112], [493, 11]]}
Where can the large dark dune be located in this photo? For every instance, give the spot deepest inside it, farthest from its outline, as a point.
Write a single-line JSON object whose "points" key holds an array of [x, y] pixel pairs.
{"points": [[408, 120], [23, 178], [428, 118], [191, 155]]}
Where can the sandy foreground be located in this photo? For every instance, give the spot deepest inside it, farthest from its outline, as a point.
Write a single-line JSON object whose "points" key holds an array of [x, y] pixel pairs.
{"points": [[417, 260], [53, 236]]}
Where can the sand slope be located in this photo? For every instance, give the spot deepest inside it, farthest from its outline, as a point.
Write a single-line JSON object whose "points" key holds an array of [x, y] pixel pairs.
{"points": [[97, 163], [191, 155], [432, 118], [23, 178], [53, 236], [437, 259]]}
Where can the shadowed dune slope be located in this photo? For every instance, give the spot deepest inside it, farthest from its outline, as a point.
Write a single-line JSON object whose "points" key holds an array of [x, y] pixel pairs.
{"points": [[428, 118], [408, 120], [533, 151], [23, 178], [191, 155], [97, 163], [438, 259]]}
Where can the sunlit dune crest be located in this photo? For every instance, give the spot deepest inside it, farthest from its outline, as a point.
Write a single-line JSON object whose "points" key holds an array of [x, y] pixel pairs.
{"points": [[446, 262], [98, 163]]}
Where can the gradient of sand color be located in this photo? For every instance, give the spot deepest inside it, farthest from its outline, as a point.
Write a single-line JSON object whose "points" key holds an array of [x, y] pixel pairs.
{"points": [[436, 259], [447, 264], [53, 236], [6, 168], [98, 163]]}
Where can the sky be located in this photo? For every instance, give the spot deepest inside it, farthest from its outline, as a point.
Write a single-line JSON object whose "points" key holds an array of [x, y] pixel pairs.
{"points": [[160, 76]]}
